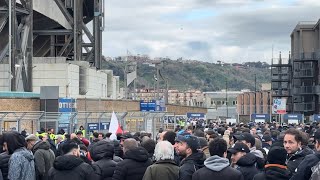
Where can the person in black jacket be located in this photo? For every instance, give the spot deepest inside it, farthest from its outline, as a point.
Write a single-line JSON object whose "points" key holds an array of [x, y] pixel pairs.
{"points": [[134, 164], [4, 167], [304, 169], [4, 160], [70, 166], [247, 166], [244, 161], [102, 154], [217, 166], [276, 168], [187, 147], [295, 154]]}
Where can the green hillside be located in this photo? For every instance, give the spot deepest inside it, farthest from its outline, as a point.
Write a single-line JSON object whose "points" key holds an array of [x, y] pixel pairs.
{"points": [[196, 75]]}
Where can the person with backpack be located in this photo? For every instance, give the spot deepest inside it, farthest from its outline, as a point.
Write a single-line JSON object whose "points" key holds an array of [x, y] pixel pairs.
{"points": [[310, 166]]}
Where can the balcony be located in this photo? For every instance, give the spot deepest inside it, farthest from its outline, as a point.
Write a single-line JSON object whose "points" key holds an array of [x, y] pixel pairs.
{"points": [[283, 93], [306, 56], [304, 90], [304, 107], [303, 73]]}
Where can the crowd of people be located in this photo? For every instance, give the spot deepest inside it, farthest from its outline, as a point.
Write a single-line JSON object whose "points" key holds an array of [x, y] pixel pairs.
{"points": [[264, 151]]}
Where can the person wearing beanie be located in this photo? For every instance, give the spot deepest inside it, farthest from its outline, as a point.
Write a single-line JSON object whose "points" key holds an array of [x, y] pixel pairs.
{"points": [[204, 146], [276, 168]]}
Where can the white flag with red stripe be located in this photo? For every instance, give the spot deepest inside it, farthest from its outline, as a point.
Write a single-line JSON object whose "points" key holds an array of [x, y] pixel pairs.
{"points": [[114, 126]]}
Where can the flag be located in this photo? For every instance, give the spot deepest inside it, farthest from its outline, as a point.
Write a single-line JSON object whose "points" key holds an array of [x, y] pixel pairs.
{"points": [[114, 127]]}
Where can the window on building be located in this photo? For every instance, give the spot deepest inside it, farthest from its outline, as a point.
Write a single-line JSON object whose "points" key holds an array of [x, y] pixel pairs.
{"points": [[212, 102], [218, 103]]}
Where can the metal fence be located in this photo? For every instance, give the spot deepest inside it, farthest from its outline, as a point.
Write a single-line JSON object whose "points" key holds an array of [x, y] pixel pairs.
{"points": [[91, 121]]}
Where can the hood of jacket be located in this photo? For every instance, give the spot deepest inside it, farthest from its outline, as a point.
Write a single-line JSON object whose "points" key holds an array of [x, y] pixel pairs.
{"points": [[275, 173], [41, 145], [256, 152], [216, 163], [102, 149], [25, 153], [138, 154], [197, 159], [67, 162], [247, 160]]}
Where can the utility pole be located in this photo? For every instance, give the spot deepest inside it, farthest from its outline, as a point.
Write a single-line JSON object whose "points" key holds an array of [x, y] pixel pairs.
{"points": [[157, 68], [255, 93], [227, 98]]}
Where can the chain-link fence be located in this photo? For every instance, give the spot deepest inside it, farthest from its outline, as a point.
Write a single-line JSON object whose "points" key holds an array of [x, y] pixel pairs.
{"points": [[91, 121]]}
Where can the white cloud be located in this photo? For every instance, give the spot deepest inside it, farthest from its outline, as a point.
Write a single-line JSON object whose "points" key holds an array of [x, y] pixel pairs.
{"points": [[209, 30]]}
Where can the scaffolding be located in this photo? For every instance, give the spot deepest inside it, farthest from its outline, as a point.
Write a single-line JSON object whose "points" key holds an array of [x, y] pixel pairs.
{"points": [[29, 37]]}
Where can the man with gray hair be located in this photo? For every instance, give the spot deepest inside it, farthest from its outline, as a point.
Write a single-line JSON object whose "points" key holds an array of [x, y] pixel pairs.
{"points": [[164, 168], [135, 162]]}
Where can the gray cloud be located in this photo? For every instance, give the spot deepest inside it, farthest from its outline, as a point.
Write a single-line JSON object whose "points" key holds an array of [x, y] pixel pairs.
{"points": [[238, 29]]}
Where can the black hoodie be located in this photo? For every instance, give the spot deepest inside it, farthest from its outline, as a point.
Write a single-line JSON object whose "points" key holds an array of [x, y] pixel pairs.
{"points": [[273, 172], [133, 166], [71, 168], [191, 164], [247, 166]]}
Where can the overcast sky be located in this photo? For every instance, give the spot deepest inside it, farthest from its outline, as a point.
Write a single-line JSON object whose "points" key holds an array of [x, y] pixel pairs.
{"points": [[206, 30]]}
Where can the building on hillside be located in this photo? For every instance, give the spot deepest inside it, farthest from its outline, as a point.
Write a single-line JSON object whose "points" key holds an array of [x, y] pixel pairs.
{"points": [[186, 98], [222, 104], [298, 80]]}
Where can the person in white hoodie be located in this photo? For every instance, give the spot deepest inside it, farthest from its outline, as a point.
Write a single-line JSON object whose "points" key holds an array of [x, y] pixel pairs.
{"points": [[217, 166]]}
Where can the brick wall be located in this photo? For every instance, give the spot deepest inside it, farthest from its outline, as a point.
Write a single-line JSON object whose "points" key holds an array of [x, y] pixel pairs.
{"points": [[107, 105], [182, 110], [125, 106], [19, 105]]}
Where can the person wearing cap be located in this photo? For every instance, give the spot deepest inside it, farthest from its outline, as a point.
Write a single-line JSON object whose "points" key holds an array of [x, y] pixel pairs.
{"points": [[250, 141], [276, 168], [193, 159], [244, 161], [217, 166], [310, 162], [237, 151], [266, 142]]}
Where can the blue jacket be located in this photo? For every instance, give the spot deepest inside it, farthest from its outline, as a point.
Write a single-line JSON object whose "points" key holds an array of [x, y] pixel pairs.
{"points": [[21, 165]]}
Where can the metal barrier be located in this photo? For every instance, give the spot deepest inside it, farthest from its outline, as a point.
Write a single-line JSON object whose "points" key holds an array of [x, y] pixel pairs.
{"points": [[91, 121]]}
